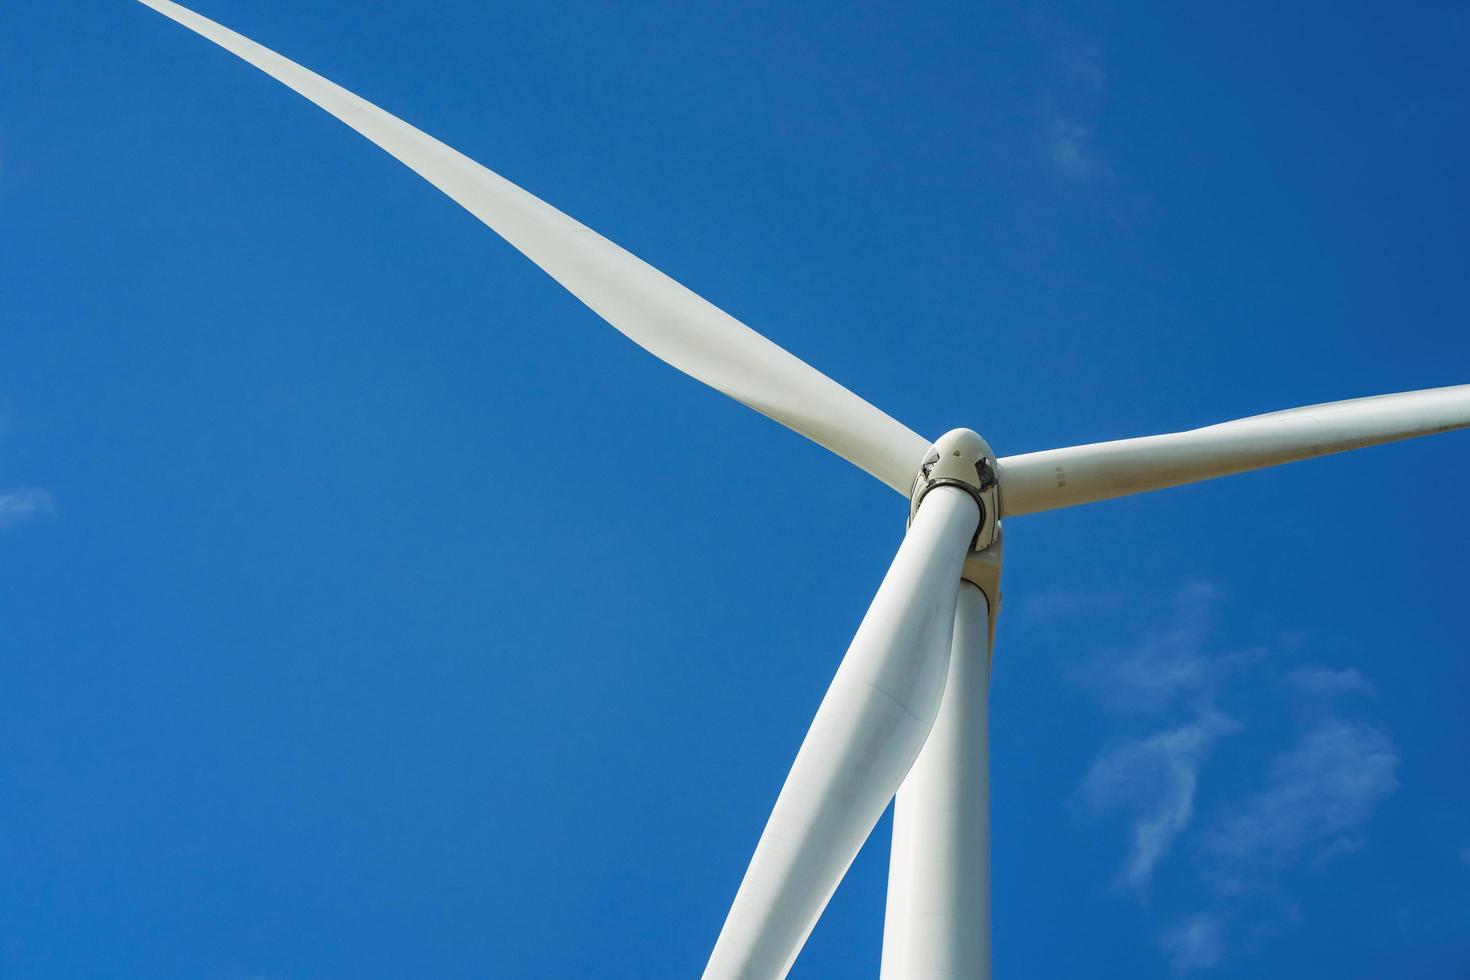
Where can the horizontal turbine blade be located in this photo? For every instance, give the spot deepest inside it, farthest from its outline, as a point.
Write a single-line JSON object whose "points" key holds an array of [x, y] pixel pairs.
{"points": [[1081, 474], [867, 733], [654, 311]]}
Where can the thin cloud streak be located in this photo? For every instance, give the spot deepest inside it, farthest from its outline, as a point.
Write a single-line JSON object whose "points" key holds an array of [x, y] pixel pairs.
{"points": [[1076, 84], [1169, 667], [19, 506], [1324, 682], [1069, 144], [1155, 778], [1319, 797], [1310, 807], [1197, 943]]}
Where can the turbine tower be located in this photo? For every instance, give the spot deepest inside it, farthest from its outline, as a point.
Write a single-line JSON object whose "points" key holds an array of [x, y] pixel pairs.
{"points": [[907, 712]]}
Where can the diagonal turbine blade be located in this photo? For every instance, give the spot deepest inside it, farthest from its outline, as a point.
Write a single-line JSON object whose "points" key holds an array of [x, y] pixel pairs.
{"points": [[867, 733], [1081, 474], [654, 311]]}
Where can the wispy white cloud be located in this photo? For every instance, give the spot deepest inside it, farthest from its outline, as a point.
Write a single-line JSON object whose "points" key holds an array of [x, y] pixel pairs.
{"points": [[1465, 855], [1197, 943], [18, 506], [1169, 665], [1080, 63], [1324, 682], [1153, 778], [1070, 146], [1166, 667], [1045, 608], [1310, 807], [1318, 799], [1076, 80], [1345, 844], [1417, 924]]}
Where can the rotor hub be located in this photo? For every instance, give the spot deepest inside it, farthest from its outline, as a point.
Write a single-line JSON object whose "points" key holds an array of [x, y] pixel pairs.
{"points": [[961, 458]]}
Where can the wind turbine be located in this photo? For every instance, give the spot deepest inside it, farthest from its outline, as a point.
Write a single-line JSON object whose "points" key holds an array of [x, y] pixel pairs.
{"points": [[907, 712]]}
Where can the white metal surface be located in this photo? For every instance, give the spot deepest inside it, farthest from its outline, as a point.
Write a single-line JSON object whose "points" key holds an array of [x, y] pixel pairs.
{"points": [[866, 734], [652, 310], [937, 925], [1081, 474]]}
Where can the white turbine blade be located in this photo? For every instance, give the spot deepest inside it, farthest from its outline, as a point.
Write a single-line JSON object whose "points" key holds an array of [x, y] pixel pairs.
{"points": [[654, 311], [937, 920], [1081, 474], [867, 733]]}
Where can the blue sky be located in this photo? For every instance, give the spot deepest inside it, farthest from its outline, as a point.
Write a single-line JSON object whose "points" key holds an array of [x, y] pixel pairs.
{"points": [[370, 609]]}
